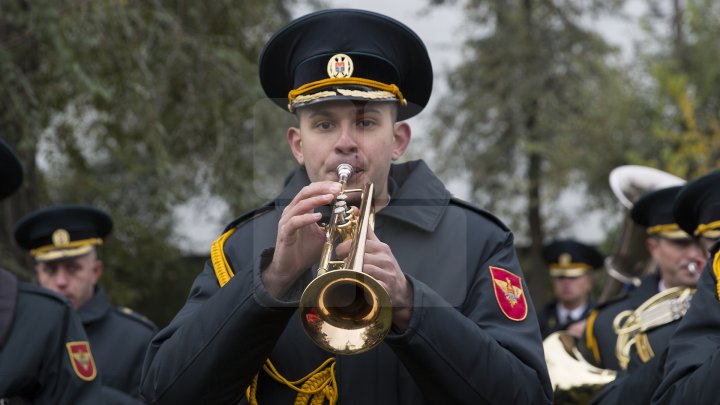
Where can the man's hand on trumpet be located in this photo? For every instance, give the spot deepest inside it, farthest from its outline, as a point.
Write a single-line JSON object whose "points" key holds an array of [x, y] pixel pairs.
{"points": [[380, 263], [299, 238]]}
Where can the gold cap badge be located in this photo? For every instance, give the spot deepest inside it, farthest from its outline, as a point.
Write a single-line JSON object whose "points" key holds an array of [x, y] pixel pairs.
{"points": [[340, 66], [60, 237], [565, 258]]}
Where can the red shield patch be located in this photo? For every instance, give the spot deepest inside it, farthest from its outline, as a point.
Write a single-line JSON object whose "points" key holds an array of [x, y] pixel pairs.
{"points": [[509, 293], [82, 360]]}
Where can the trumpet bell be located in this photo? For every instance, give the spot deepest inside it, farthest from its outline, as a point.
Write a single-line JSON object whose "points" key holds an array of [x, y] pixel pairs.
{"points": [[345, 312]]}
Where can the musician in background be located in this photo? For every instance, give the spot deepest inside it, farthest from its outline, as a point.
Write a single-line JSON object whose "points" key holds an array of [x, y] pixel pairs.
{"points": [[678, 260], [693, 356], [463, 329], [62, 240], [45, 357], [571, 264]]}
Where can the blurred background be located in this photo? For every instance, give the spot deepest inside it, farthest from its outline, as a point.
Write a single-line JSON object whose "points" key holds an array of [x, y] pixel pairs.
{"points": [[152, 111]]}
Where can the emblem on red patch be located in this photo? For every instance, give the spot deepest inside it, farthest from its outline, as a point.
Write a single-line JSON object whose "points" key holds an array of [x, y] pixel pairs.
{"points": [[82, 360], [509, 293]]}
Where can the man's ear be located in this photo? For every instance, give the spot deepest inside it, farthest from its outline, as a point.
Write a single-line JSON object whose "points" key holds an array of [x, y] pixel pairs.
{"points": [[651, 244], [295, 141], [401, 139], [98, 270]]}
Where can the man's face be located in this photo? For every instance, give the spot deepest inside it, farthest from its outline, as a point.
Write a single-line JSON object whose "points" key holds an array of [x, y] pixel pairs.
{"points": [[674, 259], [364, 135], [572, 291], [73, 278]]}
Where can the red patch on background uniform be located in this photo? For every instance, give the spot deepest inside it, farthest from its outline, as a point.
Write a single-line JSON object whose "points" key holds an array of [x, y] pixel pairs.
{"points": [[509, 293], [82, 360]]}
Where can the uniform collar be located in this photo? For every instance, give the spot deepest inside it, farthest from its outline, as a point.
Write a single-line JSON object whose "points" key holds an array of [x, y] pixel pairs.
{"points": [[96, 308], [411, 184]]}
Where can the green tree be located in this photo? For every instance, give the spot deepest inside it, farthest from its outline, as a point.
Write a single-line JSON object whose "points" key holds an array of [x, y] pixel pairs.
{"points": [[538, 106], [682, 57], [136, 107]]}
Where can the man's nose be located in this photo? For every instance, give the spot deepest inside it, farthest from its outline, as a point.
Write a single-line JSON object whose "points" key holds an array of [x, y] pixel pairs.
{"points": [[61, 277], [346, 142]]}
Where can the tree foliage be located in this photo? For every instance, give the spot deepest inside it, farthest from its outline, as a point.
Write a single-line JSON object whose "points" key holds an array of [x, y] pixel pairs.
{"points": [[542, 105], [682, 56], [536, 108], [136, 107]]}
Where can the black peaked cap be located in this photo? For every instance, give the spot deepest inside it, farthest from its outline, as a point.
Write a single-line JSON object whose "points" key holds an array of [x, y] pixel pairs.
{"points": [[698, 203], [578, 253], [655, 207], [382, 49], [81, 222]]}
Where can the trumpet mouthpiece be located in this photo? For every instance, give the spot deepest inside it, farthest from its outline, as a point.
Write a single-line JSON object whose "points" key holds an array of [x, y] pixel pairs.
{"points": [[344, 170]]}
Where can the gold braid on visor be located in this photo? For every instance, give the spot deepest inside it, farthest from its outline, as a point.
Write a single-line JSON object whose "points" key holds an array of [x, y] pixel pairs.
{"points": [[385, 91], [70, 249], [672, 231], [711, 230], [569, 269]]}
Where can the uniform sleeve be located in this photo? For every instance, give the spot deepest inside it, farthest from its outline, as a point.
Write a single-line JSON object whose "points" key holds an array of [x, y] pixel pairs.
{"points": [[218, 340], [636, 387], [113, 396], [475, 354], [61, 382], [693, 362]]}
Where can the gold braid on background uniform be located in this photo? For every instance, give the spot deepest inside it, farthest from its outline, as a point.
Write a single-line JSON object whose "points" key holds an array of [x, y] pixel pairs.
{"points": [[716, 270], [314, 388]]}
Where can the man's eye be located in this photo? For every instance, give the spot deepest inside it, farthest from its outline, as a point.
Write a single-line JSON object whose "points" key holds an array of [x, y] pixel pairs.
{"points": [[365, 123], [50, 271], [324, 125]]}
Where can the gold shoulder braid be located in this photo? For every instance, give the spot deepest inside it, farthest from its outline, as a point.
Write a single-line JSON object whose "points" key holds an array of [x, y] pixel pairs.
{"points": [[716, 270], [316, 387], [590, 341], [632, 326]]}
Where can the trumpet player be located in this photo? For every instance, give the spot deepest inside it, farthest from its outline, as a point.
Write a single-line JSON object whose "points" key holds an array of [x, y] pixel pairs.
{"points": [[463, 329]]}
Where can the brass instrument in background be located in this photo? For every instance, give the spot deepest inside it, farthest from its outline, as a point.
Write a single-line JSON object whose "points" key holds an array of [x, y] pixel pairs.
{"points": [[631, 260], [344, 310], [632, 326], [574, 379]]}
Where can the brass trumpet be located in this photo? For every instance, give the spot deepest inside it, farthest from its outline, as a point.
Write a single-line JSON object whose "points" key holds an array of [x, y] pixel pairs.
{"points": [[344, 310]]}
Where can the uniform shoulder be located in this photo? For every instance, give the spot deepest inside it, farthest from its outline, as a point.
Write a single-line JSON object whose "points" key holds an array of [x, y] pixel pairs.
{"points": [[612, 301], [136, 317], [30, 289], [483, 213], [249, 215]]}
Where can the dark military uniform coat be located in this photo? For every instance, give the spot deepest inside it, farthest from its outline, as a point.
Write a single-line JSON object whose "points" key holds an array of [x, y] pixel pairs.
{"points": [[35, 364], [600, 337], [637, 384], [549, 322], [693, 359], [119, 339], [459, 348]]}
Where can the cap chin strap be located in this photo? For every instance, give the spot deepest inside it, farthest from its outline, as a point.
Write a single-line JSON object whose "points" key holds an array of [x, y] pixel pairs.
{"points": [[71, 249], [711, 230], [316, 85], [671, 231]]}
